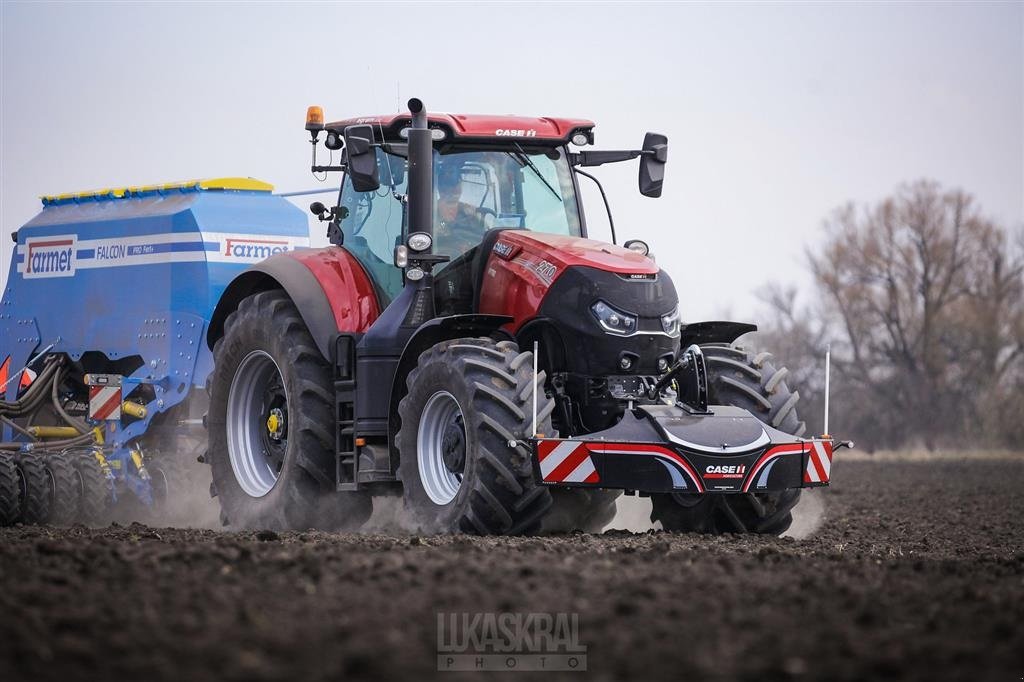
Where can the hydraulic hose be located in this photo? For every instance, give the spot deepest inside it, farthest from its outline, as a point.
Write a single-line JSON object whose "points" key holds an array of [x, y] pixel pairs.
{"points": [[47, 382], [35, 393]]}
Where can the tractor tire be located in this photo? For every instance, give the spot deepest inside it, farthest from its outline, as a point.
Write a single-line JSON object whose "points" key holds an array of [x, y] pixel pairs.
{"points": [[92, 487], [64, 490], [585, 509], [10, 497], [753, 383], [271, 423], [468, 398], [34, 485]]}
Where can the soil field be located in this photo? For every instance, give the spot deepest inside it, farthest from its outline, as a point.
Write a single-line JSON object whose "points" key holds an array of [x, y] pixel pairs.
{"points": [[911, 570]]}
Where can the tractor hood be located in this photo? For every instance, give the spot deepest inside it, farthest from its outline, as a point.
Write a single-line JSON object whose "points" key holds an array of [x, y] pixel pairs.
{"points": [[559, 279], [562, 251]]}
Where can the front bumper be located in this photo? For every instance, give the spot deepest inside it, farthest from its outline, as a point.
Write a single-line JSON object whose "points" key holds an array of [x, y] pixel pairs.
{"points": [[662, 449]]}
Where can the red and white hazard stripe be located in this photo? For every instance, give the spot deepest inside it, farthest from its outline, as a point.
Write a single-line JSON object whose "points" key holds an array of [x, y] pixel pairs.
{"points": [[566, 461], [819, 462], [105, 402]]}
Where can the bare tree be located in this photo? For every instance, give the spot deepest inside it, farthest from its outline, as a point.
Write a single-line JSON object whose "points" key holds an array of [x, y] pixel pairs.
{"points": [[922, 298]]}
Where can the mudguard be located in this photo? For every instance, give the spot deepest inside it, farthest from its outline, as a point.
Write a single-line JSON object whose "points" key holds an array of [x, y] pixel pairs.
{"points": [[328, 286], [713, 332]]}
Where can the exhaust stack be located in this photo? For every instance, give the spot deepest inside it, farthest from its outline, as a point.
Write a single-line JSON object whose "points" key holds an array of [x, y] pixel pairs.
{"points": [[421, 171]]}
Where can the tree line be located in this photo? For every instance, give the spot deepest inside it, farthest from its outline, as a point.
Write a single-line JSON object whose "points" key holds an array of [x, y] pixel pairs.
{"points": [[921, 297]]}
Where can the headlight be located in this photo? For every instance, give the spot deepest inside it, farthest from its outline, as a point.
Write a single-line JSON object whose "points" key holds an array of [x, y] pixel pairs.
{"points": [[612, 320], [419, 241], [670, 322]]}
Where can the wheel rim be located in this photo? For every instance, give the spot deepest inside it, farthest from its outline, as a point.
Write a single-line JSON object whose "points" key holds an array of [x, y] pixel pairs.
{"points": [[441, 447], [257, 418]]}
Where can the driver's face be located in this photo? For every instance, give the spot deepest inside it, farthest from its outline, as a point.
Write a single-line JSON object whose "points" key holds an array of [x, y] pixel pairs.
{"points": [[448, 203]]}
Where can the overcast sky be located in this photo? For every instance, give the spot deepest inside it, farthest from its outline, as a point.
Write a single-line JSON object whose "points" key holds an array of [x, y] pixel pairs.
{"points": [[775, 113]]}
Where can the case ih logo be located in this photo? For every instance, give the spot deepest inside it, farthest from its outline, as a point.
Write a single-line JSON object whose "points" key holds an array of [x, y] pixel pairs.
{"points": [[50, 257], [725, 471], [505, 250], [257, 249], [510, 132]]}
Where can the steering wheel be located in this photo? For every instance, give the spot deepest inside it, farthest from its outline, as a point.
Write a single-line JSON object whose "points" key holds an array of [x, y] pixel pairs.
{"points": [[487, 216]]}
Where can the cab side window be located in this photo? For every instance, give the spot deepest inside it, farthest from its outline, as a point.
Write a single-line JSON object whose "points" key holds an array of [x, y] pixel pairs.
{"points": [[374, 226]]}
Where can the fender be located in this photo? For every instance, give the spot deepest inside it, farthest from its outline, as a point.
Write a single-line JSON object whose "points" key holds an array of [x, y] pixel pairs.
{"points": [[430, 333], [328, 286], [713, 332]]}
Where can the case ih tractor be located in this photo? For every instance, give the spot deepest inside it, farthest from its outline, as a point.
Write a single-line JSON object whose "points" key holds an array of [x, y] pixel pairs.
{"points": [[461, 343]]}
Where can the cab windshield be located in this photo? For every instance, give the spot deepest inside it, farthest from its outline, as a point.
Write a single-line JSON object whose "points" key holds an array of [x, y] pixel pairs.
{"points": [[475, 190]]}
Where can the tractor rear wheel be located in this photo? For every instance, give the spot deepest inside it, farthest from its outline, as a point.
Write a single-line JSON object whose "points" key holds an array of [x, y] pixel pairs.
{"points": [[271, 422], [753, 383], [468, 399]]}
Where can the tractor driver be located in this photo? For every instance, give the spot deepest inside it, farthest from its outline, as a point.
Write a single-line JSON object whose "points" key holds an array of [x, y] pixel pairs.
{"points": [[460, 225]]}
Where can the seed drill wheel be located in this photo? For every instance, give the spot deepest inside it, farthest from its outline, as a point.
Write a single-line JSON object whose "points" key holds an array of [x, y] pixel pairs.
{"points": [[65, 492], [755, 384], [34, 489], [467, 399], [271, 423], [93, 488], [10, 497]]}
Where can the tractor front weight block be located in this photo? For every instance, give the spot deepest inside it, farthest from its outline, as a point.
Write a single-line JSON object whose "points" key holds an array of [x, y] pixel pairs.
{"points": [[666, 449]]}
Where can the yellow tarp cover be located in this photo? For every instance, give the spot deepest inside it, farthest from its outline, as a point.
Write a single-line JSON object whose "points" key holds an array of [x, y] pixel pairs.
{"points": [[249, 184]]}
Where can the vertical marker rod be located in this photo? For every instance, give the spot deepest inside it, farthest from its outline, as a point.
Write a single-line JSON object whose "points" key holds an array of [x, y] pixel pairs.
{"points": [[828, 361], [534, 389]]}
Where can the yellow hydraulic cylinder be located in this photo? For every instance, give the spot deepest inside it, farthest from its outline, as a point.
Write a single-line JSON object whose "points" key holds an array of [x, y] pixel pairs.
{"points": [[53, 431], [133, 409]]}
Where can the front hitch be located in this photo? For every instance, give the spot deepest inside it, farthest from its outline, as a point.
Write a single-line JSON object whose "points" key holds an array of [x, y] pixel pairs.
{"points": [[692, 374]]}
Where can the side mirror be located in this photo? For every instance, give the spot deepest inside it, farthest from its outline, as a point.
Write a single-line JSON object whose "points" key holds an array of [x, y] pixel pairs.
{"points": [[362, 158], [652, 164], [318, 209]]}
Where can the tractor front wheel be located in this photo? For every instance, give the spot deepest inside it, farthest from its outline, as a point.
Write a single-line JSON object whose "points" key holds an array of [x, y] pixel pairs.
{"points": [[469, 400], [755, 384]]}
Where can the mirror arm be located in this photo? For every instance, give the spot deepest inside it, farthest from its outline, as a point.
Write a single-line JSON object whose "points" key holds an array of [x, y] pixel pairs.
{"points": [[324, 169], [597, 158], [395, 149], [607, 207]]}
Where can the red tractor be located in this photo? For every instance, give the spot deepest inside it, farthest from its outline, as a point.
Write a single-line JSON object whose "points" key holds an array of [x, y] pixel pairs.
{"points": [[401, 359]]}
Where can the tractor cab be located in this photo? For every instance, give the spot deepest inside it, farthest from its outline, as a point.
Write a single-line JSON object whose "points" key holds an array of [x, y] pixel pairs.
{"points": [[479, 190]]}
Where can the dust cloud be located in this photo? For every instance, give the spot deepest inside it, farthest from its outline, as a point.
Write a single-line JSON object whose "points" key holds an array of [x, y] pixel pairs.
{"points": [[808, 515]]}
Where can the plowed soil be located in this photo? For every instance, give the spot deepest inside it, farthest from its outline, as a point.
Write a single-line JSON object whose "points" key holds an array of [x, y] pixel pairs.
{"points": [[910, 570]]}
